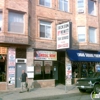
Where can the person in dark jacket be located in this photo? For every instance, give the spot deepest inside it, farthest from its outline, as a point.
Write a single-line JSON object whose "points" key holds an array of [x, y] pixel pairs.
{"points": [[24, 82]]}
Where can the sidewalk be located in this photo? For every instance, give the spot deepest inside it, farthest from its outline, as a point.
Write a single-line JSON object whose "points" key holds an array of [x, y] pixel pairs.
{"points": [[38, 92]]}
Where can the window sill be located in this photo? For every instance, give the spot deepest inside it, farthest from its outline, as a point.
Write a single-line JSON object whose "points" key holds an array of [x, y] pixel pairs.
{"points": [[45, 38], [92, 15], [15, 33], [45, 6]]}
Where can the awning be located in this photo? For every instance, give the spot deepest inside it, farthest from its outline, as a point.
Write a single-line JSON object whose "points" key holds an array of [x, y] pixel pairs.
{"points": [[79, 55]]}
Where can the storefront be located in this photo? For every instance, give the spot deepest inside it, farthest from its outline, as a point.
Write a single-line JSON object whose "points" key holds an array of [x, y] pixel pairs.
{"points": [[3, 68], [8, 66], [44, 68], [84, 63]]}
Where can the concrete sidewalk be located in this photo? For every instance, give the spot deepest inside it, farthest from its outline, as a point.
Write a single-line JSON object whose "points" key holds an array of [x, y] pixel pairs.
{"points": [[38, 92]]}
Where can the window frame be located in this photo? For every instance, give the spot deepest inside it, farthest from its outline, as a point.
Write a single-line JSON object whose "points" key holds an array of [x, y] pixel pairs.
{"points": [[63, 5], [95, 33], [1, 19], [45, 5], [81, 34], [94, 14], [23, 22], [45, 29], [83, 8]]}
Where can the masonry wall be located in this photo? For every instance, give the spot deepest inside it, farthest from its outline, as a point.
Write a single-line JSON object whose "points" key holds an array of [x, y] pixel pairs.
{"points": [[56, 16], [18, 6]]}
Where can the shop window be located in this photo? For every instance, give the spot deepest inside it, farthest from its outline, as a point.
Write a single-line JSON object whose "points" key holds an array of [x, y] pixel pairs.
{"points": [[92, 35], [16, 22], [46, 3], [0, 21], [43, 70], [63, 5], [81, 34], [3, 69], [45, 29], [80, 6], [91, 7]]}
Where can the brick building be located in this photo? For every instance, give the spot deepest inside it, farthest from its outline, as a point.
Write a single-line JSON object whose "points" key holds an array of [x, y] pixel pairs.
{"points": [[29, 29]]}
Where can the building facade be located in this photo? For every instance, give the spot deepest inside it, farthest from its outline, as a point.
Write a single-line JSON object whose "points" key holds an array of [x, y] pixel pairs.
{"points": [[29, 37], [83, 16], [14, 40]]}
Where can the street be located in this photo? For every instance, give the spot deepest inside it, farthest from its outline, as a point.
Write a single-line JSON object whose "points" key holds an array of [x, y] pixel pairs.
{"points": [[74, 96]]}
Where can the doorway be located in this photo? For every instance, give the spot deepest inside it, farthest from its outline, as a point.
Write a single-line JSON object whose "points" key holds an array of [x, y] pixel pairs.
{"points": [[19, 68], [61, 67], [3, 68]]}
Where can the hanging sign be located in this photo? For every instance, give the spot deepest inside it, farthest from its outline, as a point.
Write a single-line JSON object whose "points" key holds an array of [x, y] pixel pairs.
{"points": [[63, 35]]}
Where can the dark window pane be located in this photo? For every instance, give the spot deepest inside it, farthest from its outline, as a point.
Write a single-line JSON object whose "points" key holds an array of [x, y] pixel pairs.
{"points": [[41, 2], [16, 22], [0, 21], [42, 31], [91, 7]]}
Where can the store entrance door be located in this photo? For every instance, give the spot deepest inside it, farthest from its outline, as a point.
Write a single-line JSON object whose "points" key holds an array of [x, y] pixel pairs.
{"points": [[19, 68]]}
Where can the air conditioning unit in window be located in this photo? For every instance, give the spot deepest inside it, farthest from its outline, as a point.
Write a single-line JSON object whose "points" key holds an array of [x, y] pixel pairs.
{"points": [[80, 10]]}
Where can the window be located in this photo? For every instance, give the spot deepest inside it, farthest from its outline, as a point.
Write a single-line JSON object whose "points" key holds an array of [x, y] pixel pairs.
{"points": [[92, 35], [63, 5], [46, 3], [0, 21], [81, 34], [16, 22], [91, 7], [45, 29], [43, 70], [80, 4]]}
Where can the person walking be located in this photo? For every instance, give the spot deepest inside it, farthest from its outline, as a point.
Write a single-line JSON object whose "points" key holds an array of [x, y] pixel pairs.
{"points": [[24, 82]]}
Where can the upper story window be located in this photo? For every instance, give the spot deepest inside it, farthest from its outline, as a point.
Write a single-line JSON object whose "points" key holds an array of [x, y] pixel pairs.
{"points": [[16, 22], [91, 7], [80, 6], [45, 29], [0, 21], [92, 35], [46, 3], [81, 34], [63, 5]]}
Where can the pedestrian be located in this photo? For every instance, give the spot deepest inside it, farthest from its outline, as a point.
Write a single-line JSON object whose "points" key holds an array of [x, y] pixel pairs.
{"points": [[24, 82]]}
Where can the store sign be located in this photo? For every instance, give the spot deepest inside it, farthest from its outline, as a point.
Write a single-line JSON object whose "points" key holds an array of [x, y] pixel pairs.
{"points": [[11, 66], [45, 55], [47, 65], [88, 55], [63, 35], [3, 50]]}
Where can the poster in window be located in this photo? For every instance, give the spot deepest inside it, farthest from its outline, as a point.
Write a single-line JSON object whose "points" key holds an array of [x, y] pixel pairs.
{"points": [[38, 65], [97, 68], [47, 65]]}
